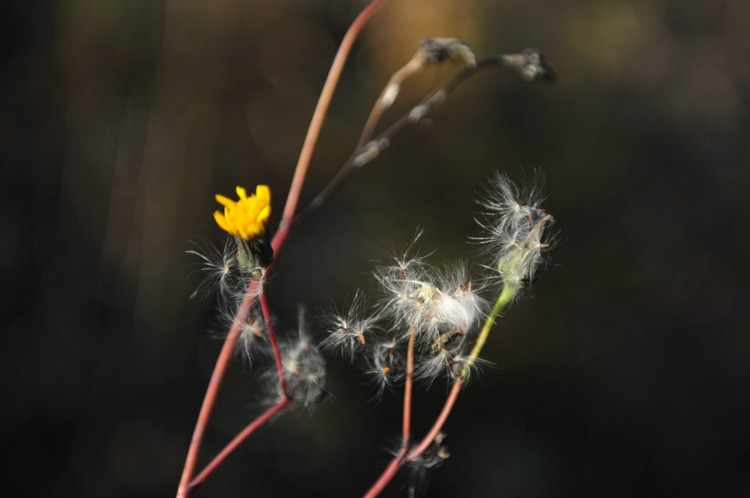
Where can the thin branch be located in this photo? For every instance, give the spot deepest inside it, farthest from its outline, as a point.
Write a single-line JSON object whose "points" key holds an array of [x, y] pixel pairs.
{"points": [[387, 475], [272, 340], [183, 491], [368, 151], [504, 298], [399, 460], [408, 385], [439, 422], [238, 439], [313, 132], [387, 97]]}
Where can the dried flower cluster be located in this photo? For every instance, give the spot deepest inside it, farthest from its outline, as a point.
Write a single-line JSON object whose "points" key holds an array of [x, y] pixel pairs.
{"points": [[438, 308], [516, 231]]}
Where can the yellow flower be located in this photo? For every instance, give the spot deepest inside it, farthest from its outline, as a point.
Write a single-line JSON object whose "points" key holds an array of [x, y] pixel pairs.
{"points": [[246, 217]]}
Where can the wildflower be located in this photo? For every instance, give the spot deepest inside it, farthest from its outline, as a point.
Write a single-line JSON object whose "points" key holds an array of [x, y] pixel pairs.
{"points": [[246, 217]]}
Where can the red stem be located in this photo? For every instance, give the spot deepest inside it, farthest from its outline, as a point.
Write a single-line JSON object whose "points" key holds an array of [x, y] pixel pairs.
{"points": [[430, 437], [408, 384], [313, 132], [274, 344], [238, 439], [388, 474], [398, 460], [262, 419], [183, 491]]}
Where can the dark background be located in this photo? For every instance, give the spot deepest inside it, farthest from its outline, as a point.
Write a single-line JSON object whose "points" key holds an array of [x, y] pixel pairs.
{"points": [[624, 372]]}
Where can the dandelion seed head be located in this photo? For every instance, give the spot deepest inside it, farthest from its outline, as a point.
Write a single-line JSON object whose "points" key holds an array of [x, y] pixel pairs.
{"points": [[222, 272], [385, 363], [516, 230], [431, 366], [348, 332], [304, 369], [252, 339]]}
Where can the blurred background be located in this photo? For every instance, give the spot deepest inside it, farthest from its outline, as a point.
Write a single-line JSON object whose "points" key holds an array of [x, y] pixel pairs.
{"points": [[623, 372]]}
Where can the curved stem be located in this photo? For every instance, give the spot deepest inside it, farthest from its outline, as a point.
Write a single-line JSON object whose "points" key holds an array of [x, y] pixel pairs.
{"points": [[387, 475], [313, 132], [439, 422], [385, 100], [504, 299], [398, 461], [183, 490]]}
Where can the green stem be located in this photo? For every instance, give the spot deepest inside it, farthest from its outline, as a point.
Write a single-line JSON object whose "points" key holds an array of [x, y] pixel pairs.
{"points": [[506, 296], [504, 299]]}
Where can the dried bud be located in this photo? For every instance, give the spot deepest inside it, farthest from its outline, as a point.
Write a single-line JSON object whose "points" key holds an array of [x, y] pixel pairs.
{"points": [[532, 64], [438, 50]]}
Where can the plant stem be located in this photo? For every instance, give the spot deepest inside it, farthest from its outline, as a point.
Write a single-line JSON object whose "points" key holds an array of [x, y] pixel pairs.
{"points": [[272, 340], [366, 151], [383, 103], [313, 132], [398, 461], [238, 439], [183, 491], [439, 422], [408, 385], [387, 475], [505, 297]]}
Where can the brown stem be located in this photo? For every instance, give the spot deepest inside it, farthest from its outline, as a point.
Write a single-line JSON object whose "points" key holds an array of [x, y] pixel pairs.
{"points": [[183, 491], [238, 439]]}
